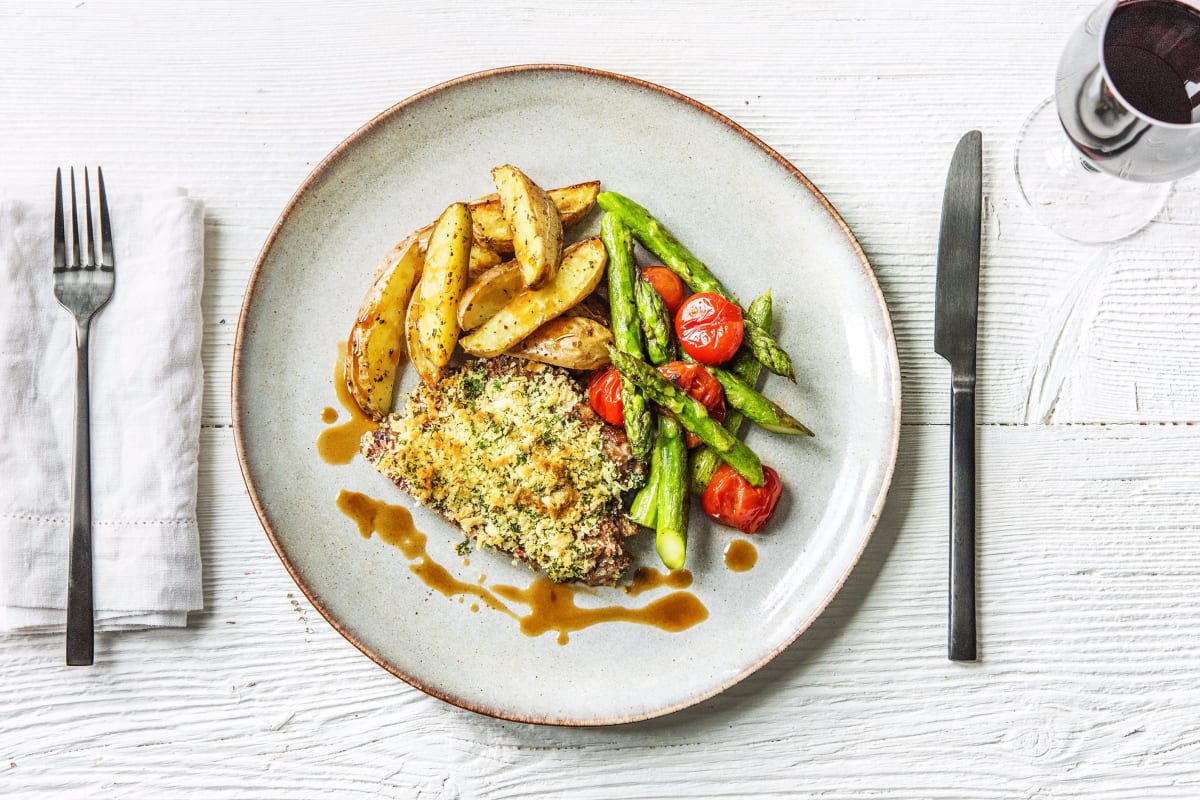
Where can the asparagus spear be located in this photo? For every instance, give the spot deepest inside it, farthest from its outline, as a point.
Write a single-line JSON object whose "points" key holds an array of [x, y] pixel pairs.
{"points": [[650, 232], [627, 334], [644, 510], [656, 323], [744, 364], [670, 451], [662, 504], [705, 460], [757, 408], [768, 353], [691, 414], [671, 525]]}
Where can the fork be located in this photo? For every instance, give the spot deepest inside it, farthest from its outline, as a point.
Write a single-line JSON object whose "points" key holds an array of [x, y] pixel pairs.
{"points": [[82, 289]]}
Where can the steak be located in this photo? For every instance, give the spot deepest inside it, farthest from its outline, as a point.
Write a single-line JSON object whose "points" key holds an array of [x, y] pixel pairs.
{"points": [[510, 452]]}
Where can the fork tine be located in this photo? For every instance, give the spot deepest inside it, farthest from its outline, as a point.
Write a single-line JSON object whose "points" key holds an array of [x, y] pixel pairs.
{"points": [[106, 244], [87, 215], [74, 223], [60, 226]]}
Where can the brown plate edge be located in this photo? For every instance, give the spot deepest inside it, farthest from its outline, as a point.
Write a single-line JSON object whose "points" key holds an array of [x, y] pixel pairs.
{"points": [[316, 174]]}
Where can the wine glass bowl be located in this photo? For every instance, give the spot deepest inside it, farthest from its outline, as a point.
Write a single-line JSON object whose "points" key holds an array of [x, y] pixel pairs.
{"points": [[1095, 162]]}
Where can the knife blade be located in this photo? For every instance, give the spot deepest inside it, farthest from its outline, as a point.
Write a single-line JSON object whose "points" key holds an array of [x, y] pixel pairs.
{"points": [[954, 339]]}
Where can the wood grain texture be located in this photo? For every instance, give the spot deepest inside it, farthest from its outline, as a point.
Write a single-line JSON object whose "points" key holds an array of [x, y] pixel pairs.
{"points": [[1090, 621]]}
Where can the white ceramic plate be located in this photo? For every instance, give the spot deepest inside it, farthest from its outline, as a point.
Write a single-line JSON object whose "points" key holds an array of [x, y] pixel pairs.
{"points": [[748, 213]]}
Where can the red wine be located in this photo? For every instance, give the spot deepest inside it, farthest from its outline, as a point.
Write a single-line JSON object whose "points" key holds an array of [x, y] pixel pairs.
{"points": [[1152, 54]]}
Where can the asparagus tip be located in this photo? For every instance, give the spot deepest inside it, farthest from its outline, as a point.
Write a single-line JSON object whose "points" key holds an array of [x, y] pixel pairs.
{"points": [[672, 549]]}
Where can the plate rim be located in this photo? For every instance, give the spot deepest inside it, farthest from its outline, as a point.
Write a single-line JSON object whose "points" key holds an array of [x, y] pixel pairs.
{"points": [[318, 172]]}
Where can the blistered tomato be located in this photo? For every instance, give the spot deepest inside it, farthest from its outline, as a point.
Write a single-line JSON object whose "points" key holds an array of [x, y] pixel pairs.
{"points": [[709, 328], [604, 395], [668, 285], [731, 500]]}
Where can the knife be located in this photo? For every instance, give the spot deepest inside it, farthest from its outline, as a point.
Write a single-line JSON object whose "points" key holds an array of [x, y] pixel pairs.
{"points": [[955, 317]]}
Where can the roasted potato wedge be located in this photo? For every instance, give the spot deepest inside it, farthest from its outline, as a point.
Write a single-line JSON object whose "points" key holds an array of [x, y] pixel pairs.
{"points": [[482, 259], [426, 370], [422, 235], [377, 338], [482, 256], [535, 223], [489, 293], [573, 204], [393, 255], [572, 342], [581, 269], [442, 283]]}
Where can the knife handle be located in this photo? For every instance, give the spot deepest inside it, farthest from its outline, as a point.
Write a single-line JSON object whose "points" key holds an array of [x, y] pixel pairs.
{"points": [[961, 643]]}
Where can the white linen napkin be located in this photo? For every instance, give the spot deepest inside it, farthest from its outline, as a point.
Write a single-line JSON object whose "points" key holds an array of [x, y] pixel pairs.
{"points": [[146, 386]]}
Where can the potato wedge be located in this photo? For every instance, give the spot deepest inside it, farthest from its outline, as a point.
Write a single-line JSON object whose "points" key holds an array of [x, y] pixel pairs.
{"points": [[578, 275], [442, 283], [488, 294], [377, 338], [482, 259], [426, 370], [572, 342], [393, 255], [573, 204], [535, 223], [422, 235]]}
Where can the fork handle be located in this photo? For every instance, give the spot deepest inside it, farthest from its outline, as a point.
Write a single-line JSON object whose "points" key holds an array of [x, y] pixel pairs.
{"points": [[80, 632]]}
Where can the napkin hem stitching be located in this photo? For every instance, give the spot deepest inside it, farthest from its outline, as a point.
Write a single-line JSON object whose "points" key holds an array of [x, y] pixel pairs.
{"points": [[64, 520]]}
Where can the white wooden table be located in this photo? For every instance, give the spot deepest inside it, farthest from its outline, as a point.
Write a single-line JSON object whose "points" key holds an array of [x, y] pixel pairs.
{"points": [[1089, 683]]}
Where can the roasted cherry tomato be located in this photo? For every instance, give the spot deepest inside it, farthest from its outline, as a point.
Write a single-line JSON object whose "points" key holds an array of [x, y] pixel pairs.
{"points": [[709, 328], [668, 285], [731, 500], [604, 394], [700, 384]]}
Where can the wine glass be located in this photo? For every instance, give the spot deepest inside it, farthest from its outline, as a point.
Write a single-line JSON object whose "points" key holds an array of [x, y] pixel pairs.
{"points": [[1096, 164]]}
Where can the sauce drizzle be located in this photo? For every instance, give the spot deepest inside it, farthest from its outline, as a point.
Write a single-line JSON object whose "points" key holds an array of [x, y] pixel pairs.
{"points": [[394, 525], [338, 444], [647, 578], [552, 606]]}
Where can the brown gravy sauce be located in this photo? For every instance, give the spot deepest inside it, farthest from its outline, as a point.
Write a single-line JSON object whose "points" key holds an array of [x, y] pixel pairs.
{"points": [[551, 605], [740, 556], [552, 608], [394, 525], [647, 578], [338, 444]]}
